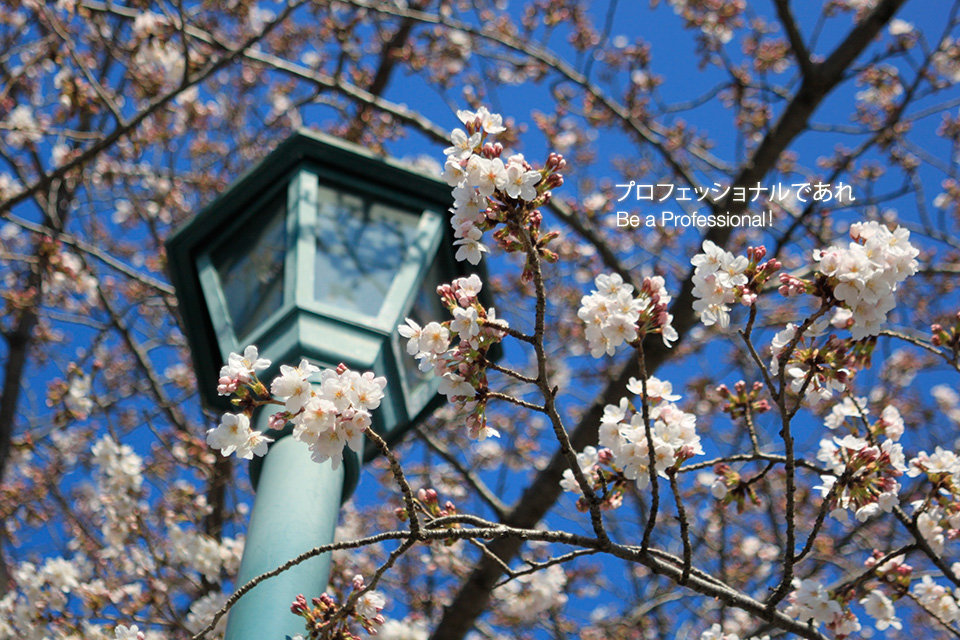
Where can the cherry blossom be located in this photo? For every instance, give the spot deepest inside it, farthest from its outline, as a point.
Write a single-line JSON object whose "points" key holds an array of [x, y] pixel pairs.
{"points": [[721, 279], [867, 272], [293, 385], [234, 435], [613, 316], [531, 594], [242, 368]]}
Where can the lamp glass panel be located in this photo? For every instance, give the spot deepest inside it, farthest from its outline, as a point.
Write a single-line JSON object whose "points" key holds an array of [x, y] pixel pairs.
{"points": [[250, 268], [361, 246]]}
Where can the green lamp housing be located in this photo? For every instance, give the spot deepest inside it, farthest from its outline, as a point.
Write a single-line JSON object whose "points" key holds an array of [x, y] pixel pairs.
{"points": [[319, 252]]}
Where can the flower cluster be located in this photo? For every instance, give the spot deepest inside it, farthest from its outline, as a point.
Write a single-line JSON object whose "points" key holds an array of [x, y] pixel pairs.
{"points": [[937, 599], [234, 435], [863, 475], [942, 467], [488, 191], [879, 607], [364, 610], [531, 594], [587, 460], [407, 629], [326, 418], [865, 274], [939, 518], [132, 632], [817, 369], [204, 554], [334, 416], [461, 368], [202, 611], [240, 370], [612, 314], [721, 279], [626, 450], [119, 481], [716, 633], [890, 423], [810, 601]]}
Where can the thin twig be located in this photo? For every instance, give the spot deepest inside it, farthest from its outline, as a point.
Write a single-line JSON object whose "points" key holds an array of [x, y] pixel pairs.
{"points": [[684, 527]]}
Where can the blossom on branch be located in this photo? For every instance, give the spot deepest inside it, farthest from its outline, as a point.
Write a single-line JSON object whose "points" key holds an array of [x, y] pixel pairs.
{"points": [[613, 315], [721, 279], [326, 417], [865, 274], [626, 451], [234, 434], [461, 368]]}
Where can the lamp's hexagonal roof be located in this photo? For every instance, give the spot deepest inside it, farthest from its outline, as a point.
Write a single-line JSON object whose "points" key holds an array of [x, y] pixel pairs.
{"points": [[331, 159]]}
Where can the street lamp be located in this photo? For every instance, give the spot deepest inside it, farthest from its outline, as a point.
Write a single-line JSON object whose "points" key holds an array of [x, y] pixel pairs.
{"points": [[318, 252]]}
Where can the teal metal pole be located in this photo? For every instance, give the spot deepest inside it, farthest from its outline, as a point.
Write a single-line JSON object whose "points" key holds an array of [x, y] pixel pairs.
{"points": [[295, 510]]}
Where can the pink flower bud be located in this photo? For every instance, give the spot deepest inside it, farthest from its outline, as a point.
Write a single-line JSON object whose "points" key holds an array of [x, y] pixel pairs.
{"points": [[299, 604], [227, 385]]}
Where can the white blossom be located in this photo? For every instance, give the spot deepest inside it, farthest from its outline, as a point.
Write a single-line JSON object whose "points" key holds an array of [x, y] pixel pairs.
{"points": [[293, 385], [462, 144], [716, 276], [234, 435], [868, 271], [880, 608], [202, 611], [370, 604], [244, 367], [529, 595], [128, 633]]}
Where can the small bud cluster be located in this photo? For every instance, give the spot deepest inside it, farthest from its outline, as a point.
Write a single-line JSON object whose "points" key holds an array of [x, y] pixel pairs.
{"points": [[817, 370], [429, 503], [740, 401], [892, 571], [489, 192], [463, 368], [730, 487], [323, 618], [947, 337], [721, 279], [613, 315]]}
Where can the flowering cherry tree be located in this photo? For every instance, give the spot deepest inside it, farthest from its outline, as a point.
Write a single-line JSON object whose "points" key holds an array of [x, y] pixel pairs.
{"points": [[714, 432]]}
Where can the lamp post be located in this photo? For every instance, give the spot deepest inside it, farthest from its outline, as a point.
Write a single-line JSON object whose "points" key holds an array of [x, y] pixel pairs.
{"points": [[318, 252]]}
